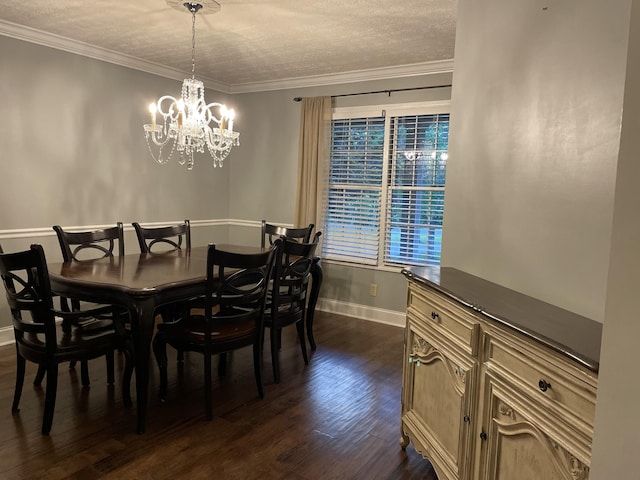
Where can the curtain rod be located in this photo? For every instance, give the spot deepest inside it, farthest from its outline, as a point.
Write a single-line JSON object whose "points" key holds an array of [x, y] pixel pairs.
{"points": [[388, 92]]}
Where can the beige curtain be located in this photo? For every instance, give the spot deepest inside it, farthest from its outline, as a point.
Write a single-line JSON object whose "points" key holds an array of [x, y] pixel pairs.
{"points": [[313, 151]]}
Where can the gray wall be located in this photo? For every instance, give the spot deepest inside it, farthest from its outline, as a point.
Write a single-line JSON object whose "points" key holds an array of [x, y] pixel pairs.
{"points": [[537, 161], [535, 128], [73, 148], [617, 426]]}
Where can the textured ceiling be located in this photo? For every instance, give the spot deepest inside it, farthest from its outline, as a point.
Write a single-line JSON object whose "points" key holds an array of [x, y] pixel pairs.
{"points": [[253, 41]]}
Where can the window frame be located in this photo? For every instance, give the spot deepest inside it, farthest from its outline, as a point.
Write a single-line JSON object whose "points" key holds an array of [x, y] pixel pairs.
{"points": [[388, 111]]}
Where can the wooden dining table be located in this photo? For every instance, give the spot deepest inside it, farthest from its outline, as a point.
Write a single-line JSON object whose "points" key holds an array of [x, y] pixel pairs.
{"points": [[142, 282]]}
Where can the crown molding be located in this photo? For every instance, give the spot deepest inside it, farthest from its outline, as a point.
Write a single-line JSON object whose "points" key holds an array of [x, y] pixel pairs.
{"points": [[383, 73], [32, 35]]}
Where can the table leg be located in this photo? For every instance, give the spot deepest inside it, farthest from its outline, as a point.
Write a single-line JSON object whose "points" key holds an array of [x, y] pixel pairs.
{"points": [[316, 281], [142, 326]]}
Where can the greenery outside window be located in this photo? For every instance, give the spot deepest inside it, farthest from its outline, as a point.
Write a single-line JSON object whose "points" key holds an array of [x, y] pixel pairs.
{"points": [[385, 198]]}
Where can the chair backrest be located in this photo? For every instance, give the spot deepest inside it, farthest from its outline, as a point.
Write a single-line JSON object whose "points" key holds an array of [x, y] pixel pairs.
{"points": [[269, 232], [237, 286], [292, 272], [169, 238], [26, 281], [89, 245]]}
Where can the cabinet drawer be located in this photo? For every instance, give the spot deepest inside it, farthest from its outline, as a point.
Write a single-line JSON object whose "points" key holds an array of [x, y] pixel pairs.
{"points": [[545, 378], [445, 317]]}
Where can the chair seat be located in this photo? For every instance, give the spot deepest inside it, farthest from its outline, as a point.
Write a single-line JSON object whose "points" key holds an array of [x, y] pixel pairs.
{"points": [[287, 314], [92, 339], [191, 329]]}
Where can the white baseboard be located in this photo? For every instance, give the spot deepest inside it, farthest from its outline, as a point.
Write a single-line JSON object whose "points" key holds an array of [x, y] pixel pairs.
{"points": [[6, 336], [379, 315]]}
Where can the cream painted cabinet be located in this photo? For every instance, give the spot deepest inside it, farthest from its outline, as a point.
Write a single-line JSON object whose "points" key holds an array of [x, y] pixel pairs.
{"points": [[440, 377], [482, 399]]}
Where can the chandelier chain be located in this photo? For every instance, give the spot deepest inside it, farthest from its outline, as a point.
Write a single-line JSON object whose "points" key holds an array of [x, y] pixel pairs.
{"points": [[193, 42]]}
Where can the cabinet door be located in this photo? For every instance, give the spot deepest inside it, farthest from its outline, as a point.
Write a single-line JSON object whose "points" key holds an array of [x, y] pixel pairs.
{"points": [[436, 405], [516, 447]]}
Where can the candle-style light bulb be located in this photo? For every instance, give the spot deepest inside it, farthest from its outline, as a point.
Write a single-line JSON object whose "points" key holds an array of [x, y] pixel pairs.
{"points": [[223, 117], [231, 114], [180, 106], [152, 110]]}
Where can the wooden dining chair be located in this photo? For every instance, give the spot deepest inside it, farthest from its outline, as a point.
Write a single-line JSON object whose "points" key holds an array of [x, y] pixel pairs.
{"points": [[233, 316], [41, 339], [287, 298], [163, 239], [91, 244], [270, 232], [86, 246]]}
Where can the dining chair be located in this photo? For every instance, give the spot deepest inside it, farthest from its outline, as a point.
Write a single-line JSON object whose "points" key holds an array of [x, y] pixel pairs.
{"points": [[166, 238], [86, 246], [233, 316], [287, 297], [161, 240], [270, 232], [41, 339]]}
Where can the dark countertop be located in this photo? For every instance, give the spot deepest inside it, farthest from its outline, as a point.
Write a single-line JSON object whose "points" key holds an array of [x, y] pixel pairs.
{"points": [[571, 334]]}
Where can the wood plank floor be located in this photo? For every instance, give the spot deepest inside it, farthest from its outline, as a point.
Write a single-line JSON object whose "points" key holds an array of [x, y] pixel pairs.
{"points": [[337, 418]]}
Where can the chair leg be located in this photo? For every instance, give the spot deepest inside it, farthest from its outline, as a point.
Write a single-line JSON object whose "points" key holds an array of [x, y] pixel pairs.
{"points": [[84, 373], [222, 364], [275, 353], [257, 366], [180, 358], [40, 375], [50, 398], [126, 378], [160, 352], [110, 368], [208, 400], [72, 364], [17, 393], [303, 344]]}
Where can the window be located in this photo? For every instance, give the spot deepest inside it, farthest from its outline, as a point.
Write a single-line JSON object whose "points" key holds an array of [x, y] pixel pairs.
{"points": [[385, 198]]}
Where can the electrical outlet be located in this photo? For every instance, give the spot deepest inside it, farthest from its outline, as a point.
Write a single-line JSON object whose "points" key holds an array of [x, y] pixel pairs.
{"points": [[373, 289]]}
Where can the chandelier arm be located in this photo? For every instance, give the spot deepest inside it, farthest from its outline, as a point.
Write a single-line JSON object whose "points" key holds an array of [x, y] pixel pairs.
{"points": [[172, 102]]}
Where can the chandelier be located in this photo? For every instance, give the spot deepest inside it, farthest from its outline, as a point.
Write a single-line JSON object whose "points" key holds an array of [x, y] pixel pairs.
{"points": [[189, 124]]}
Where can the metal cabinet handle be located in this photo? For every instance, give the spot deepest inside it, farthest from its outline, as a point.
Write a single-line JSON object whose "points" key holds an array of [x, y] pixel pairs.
{"points": [[466, 419], [435, 315], [544, 385], [483, 436]]}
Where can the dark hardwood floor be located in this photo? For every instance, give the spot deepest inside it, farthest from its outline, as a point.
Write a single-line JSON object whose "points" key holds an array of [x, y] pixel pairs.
{"points": [[338, 418]]}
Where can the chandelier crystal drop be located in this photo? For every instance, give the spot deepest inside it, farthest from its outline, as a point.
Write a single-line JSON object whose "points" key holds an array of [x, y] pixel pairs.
{"points": [[189, 124]]}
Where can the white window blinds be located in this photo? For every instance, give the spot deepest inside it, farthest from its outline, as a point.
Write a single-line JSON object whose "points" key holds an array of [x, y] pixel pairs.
{"points": [[415, 189], [352, 219], [385, 198]]}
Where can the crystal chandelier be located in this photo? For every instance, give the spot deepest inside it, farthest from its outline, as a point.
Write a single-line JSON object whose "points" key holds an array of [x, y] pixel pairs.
{"points": [[189, 124]]}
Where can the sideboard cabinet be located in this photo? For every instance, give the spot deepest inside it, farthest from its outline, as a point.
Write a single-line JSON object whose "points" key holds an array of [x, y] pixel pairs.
{"points": [[496, 384]]}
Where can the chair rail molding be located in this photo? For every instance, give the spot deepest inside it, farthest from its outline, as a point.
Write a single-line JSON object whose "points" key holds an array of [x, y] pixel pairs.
{"points": [[49, 232]]}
